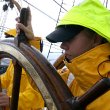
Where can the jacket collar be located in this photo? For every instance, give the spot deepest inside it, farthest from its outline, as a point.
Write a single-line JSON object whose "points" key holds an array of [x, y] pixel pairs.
{"points": [[84, 67]]}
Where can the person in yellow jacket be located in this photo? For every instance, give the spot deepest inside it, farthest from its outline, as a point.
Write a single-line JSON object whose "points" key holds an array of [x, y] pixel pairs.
{"points": [[29, 96], [85, 35]]}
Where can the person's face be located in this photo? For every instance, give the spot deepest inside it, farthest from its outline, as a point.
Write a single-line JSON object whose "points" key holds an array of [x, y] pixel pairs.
{"points": [[78, 45]]}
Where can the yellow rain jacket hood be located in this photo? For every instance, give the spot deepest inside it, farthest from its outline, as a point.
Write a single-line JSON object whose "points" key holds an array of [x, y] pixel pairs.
{"points": [[91, 14], [11, 32], [36, 42], [85, 69]]}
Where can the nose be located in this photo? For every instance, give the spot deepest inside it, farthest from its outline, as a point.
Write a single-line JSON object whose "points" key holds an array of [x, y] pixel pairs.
{"points": [[64, 46]]}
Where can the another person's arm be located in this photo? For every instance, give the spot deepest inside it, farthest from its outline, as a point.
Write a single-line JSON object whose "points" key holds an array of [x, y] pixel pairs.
{"points": [[28, 30]]}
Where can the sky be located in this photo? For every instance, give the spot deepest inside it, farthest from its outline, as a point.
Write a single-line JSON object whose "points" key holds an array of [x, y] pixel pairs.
{"points": [[44, 18], [42, 24]]}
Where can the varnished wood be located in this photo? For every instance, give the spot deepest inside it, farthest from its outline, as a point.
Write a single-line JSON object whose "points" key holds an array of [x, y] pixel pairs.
{"points": [[58, 64], [16, 86], [52, 80], [43, 73]]}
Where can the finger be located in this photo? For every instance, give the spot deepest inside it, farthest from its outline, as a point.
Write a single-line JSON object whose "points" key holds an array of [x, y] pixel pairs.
{"points": [[21, 26], [17, 19], [17, 29]]}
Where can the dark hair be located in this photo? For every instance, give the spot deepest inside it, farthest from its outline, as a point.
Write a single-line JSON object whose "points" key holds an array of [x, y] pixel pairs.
{"points": [[92, 33], [104, 41]]}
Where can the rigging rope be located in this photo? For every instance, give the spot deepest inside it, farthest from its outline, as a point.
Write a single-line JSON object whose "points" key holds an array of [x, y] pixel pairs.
{"points": [[3, 22], [56, 25], [59, 5], [103, 2], [106, 3], [73, 2], [40, 10]]}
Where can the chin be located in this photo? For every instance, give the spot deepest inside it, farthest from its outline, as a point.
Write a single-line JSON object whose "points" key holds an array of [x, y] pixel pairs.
{"points": [[67, 59]]}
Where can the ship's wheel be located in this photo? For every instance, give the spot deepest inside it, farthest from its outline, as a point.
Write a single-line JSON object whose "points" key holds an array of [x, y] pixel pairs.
{"points": [[54, 91]]}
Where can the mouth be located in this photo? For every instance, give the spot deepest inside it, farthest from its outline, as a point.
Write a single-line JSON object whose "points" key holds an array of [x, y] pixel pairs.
{"points": [[67, 56]]}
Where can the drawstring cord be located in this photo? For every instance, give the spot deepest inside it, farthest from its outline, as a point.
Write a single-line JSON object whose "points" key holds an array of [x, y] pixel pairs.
{"points": [[100, 65]]}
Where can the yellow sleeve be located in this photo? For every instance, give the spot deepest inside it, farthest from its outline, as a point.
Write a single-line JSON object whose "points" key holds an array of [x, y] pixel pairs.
{"points": [[64, 74], [7, 76], [36, 42], [29, 99]]}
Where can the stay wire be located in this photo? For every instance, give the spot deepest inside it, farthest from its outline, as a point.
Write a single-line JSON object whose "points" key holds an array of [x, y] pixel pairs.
{"points": [[56, 25], [59, 5], [106, 3], [39, 10]]}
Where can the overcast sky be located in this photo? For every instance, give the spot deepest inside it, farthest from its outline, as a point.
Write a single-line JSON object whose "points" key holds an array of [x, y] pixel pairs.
{"points": [[44, 19], [42, 24]]}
